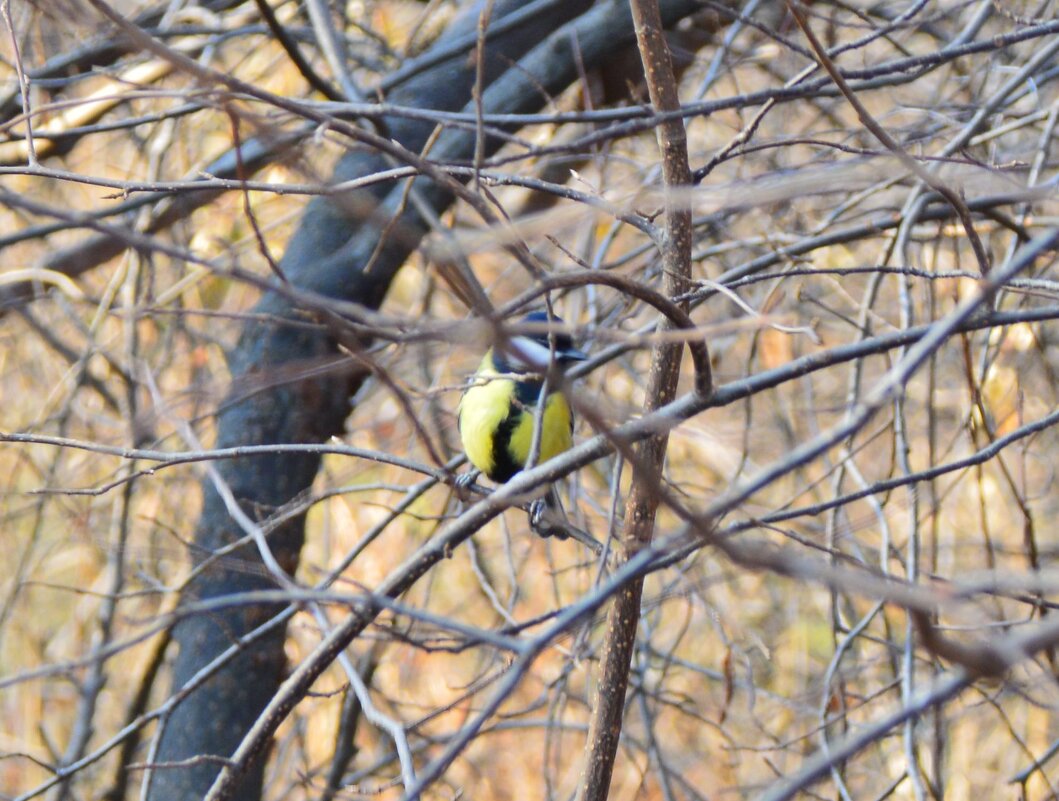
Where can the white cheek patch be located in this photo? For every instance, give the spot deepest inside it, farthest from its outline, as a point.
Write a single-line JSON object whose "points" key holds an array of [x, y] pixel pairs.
{"points": [[527, 354]]}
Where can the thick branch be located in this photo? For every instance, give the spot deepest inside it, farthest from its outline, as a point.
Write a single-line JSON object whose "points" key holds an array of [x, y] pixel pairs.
{"points": [[623, 617]]}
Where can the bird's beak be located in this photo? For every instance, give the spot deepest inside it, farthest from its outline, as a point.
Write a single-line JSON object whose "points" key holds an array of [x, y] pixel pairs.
{"points": [[571, 355]]}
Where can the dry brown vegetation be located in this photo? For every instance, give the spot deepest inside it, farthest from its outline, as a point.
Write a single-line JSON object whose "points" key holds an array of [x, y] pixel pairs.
{"points": [[849, 590]]}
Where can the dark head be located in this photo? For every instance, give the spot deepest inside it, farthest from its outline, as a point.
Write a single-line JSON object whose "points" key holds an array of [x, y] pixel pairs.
{"points": [[531, 351]]}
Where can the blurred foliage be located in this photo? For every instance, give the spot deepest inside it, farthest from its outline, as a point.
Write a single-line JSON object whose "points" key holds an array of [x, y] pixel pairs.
{"points": [[740, 674]]}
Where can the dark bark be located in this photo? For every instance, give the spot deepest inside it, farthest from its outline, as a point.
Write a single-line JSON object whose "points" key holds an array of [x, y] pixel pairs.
{"points": [[328, 255]]}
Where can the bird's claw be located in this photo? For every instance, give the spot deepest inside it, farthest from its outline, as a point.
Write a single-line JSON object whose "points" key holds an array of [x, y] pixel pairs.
{"points": [[463, 483], [543, 522], [540, 523]]}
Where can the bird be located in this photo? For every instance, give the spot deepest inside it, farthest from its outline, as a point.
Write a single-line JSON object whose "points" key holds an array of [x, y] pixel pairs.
{"points": [[498, 413]]}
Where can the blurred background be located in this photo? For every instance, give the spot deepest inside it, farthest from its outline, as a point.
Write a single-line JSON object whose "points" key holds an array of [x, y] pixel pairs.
{"points": [[126, 288]]}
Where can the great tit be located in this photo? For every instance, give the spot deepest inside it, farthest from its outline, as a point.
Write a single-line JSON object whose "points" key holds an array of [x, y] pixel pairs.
{"points": [[498, 411]]}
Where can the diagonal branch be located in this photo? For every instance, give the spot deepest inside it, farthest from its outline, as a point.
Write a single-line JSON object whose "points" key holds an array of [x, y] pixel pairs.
{"points": [[922, 173]]}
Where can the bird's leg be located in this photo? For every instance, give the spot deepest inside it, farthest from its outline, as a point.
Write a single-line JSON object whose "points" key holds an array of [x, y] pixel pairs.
{"points": [[464, 482], [543, 522], [547, 519]]}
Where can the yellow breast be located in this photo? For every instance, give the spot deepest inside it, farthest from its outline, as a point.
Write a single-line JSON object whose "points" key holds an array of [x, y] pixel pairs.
{"points": [[497, 432], [555, 431]]}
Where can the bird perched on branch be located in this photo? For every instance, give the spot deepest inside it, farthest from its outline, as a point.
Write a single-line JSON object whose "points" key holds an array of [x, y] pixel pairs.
{"points": [[499, 412]]}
